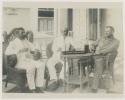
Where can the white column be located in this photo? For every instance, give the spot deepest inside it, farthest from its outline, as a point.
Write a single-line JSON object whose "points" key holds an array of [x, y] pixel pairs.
{"points": [[63, 19], [87, 24], [98, 23], [56, 21], [83, 23], [76, 23], [34, 20], [79, 26]]}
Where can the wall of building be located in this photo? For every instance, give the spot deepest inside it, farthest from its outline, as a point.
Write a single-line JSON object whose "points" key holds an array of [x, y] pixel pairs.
{"points": [[114, 18], [79, 27], [63, 19], [27, 17], [21, 18]]}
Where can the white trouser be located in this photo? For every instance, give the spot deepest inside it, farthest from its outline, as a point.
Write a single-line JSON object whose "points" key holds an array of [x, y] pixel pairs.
{"points": [[51, 67], [34, 72]]}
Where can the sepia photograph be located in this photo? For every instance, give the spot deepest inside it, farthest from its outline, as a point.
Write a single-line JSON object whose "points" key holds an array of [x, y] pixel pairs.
{"points": [[60, 48]]}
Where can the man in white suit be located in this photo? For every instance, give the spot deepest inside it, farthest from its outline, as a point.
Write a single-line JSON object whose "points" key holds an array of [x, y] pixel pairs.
{"points": [[21, 47], [60, 43]]}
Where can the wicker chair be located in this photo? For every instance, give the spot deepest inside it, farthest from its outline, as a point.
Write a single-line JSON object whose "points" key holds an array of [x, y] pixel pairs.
{"points": [[14, 75], [109, 70]]}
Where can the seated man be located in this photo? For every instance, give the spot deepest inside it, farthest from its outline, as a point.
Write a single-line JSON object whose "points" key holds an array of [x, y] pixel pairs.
{"points": [[60, 43], [106, 45], [21, 48]]}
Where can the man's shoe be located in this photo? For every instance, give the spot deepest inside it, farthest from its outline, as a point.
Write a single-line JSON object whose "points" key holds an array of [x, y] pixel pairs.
{"points": [[39, 90], [58, 82], [32, 91], [52, 86], [94, 90], [61, 82]]}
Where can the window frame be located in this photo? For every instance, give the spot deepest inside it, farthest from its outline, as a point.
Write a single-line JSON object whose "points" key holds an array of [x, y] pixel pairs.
{"points": [[43, 33]]}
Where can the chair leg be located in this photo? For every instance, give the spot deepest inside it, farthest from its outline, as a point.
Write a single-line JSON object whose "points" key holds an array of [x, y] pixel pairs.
{"points": [[46, 84], [112, 72], [21, 83], [6, 82], [113, 78], [87, 75], [58, 78], [81, 76], [107, 84]]}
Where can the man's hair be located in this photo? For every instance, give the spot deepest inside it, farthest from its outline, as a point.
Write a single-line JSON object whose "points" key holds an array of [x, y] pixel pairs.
{"points": [[29, 32], [21, 28], [112, 28], [13, 31]]}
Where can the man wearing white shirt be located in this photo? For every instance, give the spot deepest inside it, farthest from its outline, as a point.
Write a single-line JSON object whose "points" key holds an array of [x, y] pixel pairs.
{"points": [[20, 46]]}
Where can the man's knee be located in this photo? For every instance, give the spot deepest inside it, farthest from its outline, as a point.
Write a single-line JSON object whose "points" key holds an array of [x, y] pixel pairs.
{"points": [[30, 70]]}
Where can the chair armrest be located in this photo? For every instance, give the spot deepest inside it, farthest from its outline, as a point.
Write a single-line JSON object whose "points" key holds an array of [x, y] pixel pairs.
{"points": [[16, 70], [106, 56]]}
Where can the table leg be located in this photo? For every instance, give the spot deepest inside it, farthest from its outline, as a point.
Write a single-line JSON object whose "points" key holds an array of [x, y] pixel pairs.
{"points": [[88, 70], [72, 67], [81, 77], [64, 75], [87, 75], [68, 76]]}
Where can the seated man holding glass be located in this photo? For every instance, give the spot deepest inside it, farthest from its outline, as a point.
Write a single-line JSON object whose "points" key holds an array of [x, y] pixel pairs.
{"points": [[22, 48]]}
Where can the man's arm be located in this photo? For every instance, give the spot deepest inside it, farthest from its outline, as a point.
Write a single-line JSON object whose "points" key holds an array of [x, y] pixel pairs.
{"points": [[72, 45], [109, 48], [54, 46]]}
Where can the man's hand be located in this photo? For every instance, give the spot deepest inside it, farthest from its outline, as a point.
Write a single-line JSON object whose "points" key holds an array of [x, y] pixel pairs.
{"points": [[23, 50], [97, 52], [71, 48], [59, 50]]}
